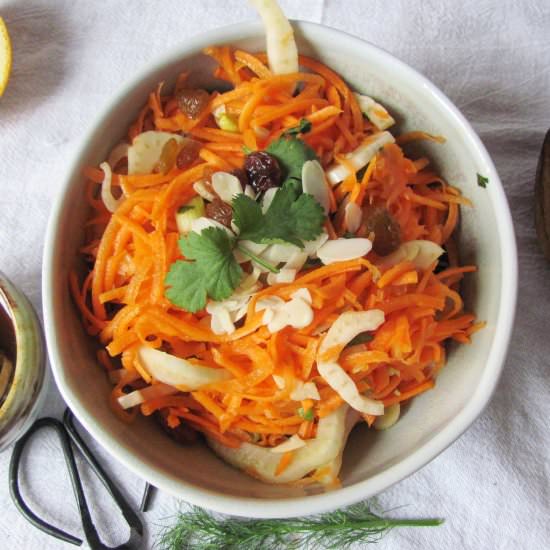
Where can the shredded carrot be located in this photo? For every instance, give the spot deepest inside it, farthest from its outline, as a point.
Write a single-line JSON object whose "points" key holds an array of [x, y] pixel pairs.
{"points": [[121, 297]]}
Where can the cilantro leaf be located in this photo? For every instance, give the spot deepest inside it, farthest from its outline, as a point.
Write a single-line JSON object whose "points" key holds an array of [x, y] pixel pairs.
{"points": [[291, 153], [482, 181], [303, 127], [214, 271], [247, 215], [287, 220], [186, 289]]}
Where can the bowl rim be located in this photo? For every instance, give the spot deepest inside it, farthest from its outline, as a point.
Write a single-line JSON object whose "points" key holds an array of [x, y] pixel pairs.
{"points": [[295, 506]]}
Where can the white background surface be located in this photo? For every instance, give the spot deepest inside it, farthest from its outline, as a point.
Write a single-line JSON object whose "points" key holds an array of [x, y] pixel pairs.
{"points": [[491, 57]]}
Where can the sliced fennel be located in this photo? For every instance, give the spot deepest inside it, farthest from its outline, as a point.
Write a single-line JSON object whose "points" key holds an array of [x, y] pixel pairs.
{"points": [[375, 112], [282, 52], [325, 449], [389, 418], [360, 157], [145, 151], [422, 253], [343, 330], [178, 372]]}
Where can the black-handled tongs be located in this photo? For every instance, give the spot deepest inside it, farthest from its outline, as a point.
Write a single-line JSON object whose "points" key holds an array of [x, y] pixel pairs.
{"points": [[69, 436]]}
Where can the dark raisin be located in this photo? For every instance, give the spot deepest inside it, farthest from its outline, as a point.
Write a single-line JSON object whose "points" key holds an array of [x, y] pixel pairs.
{"points": [[188, 154], [387, 233], [192, 102], [240, 174], [263, 171], [219, 211]]}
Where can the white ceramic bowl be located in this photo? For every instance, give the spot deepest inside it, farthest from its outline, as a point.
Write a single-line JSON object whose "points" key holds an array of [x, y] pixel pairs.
{"points": [[372, 461]]}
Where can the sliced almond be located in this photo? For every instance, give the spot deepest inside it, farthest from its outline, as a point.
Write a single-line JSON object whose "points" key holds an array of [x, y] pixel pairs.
{"points": [[269, 314], [277, 253], [240, 313], [285, 275], [296, 260], [299, 312], [314, 183], [340, 250], [269, 302], [304, 294], [221, 322], [311, 247], [202, 223], [226, 186], [279, 320], [202, 187], [249, 192]]}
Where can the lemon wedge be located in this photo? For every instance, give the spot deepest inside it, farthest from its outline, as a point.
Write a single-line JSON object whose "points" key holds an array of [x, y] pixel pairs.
{"points": [[5, 56]]}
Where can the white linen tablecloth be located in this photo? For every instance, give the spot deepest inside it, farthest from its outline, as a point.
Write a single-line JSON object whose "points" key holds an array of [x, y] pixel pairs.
{"points": [[491, 57]]}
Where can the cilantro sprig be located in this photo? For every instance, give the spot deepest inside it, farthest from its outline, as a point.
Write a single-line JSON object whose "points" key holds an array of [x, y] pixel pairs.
{"points": [[210, 268], [286, 220]]}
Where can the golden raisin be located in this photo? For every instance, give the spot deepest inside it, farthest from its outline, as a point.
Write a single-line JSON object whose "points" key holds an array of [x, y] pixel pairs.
{"points": [[220, 211], [168, 156], [188, 154], [192, 102]]}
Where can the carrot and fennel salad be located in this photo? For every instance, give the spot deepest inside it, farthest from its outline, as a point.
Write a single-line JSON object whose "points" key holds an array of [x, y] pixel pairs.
{"points": [[267, 267]]}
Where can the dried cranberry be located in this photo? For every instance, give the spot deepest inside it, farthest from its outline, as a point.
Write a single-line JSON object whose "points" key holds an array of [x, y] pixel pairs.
{"points": [[240, 174], [263, 171], [219, 211], [386, 229], [192, 102], [188, 154]]}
